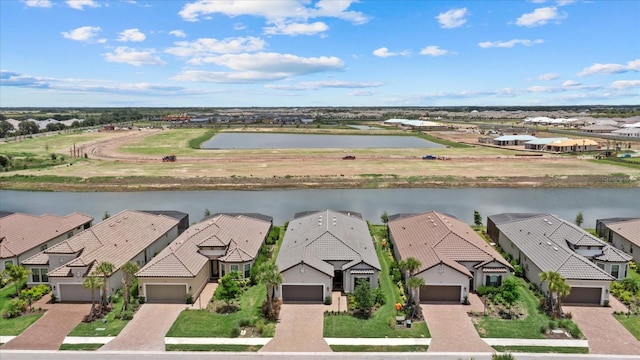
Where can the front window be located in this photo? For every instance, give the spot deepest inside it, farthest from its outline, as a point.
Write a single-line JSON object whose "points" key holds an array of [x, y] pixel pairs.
{"points": [[7, 263], [39, 275], [494, 280], [615, 270], [234, 268], [247, 270]]}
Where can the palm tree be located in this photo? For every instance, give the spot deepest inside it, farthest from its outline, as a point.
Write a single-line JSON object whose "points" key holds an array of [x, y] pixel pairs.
{"points": [[414, 283], [269, 275], [129, 269], [17, 274], [92, 283], [104, 269], [558, 286], [410, 264]]}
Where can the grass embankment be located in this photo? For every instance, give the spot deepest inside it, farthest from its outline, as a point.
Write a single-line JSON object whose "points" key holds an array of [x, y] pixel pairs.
{"points": [[80, 347], [543, 349], [380, 348], [378, 325], [631, 323], [14, 326], [111, 327], [202, 323], [234, 348]]}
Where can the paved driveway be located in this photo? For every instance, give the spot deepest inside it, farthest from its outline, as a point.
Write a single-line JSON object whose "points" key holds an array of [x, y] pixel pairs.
{"points": [[605, 334], [451, 329], [299, 329], [148, 328], [50, 330]]}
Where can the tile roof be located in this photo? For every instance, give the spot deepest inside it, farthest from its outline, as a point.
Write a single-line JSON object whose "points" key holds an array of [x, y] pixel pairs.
{"points": [[117, 240], [318, 237], [543, 239], [611, 254], [574, 142], [241, 236], [22, 232], [544, 141], [435, 238], [628, 229]]}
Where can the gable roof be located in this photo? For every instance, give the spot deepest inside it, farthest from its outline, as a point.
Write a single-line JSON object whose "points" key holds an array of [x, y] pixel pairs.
{"points": [[545, 239], [435, 238], [21, 232], [318, 237], [117, 240], [628, 229], [241, 236]]}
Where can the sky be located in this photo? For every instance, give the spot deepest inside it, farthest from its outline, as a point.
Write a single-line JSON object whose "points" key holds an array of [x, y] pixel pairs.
{"points": [[294, 53]]}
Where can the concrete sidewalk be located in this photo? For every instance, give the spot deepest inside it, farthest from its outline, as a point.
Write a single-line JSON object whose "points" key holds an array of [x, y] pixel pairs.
{"points": [[216, 341], [378, 341], [87, 339], [536, 342]]}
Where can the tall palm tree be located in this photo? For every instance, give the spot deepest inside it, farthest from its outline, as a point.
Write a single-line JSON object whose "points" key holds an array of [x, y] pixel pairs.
{"points": [[269, 275], [92, 283], [558, 286], [562, 289], [104, 269], [414, 283], [17, 274], [410, 264], [129, 269]]}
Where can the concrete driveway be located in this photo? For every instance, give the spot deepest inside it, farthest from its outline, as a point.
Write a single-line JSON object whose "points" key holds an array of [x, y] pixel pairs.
{"points": [[148, 328], [605, 334], [299, 329], [49, 331], [451, 328]]}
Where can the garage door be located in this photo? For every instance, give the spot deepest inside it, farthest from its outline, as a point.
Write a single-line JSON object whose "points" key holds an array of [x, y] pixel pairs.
{"points": [[76, 292], [583, 295], [302, 293], [440, 293], [166, 293]]}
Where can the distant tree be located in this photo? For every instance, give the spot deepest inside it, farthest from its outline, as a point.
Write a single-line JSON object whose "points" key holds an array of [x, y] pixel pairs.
{"points": [[363, 297], [105, 269], [92, 283], [5, 128], [579, 218], [106, 215], [384, 217], [16, 274], [228, 287], [129, 269], [477, 218], [28, 127], [207, 213]]}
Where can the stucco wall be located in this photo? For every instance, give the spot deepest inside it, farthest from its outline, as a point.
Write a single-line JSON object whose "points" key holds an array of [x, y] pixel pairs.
{"points": [[604, 285], [196, 284], [350, 279], [625, 245], [445, 275], [310, 276]]}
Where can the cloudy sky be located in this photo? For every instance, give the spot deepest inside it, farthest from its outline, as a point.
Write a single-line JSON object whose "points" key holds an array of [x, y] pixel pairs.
{"points": [[219, 53]]}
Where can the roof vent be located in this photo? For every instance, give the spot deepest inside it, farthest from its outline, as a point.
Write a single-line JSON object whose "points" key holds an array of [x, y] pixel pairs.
{"points": [[548, 243], [555, 248]]}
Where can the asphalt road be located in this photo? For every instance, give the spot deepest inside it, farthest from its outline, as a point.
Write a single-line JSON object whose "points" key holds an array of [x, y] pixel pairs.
{"points": [[73, 355]]}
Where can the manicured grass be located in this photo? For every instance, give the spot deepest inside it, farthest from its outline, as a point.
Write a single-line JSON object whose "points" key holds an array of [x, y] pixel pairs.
{"points": [[14, 326], [379, 348], [632, 323], [543, 349], [527, 328], [235, 348], [202, 323], [195, 143], [86, 347], [167, 142], [378, 324], [440, 141], [112, 327]]}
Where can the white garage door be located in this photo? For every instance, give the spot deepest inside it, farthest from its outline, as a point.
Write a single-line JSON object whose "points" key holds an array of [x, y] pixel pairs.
{"points": [[76, 292], [166, 293]]}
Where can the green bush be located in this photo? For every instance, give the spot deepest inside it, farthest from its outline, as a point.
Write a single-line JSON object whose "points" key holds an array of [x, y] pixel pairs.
{"points": [[328, 300], [486, 290], [235, 331], [14, 308], [244, 322], [378, 296], [505, 356], [127, 315]]}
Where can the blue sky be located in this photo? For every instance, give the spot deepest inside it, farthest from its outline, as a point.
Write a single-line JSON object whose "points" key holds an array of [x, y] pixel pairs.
{"points": [[224, 53]]}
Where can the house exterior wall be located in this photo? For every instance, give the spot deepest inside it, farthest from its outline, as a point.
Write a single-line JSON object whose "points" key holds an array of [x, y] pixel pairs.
{"points": [[310, 276], [157, 246], [588, 253], [49, 243], [603, 284], [225, 268], [350, 279], [192, 285], [625, 245], [446, 276], [623, 268]]}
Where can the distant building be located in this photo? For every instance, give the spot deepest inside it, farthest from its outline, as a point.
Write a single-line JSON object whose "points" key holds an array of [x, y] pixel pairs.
{"points": [[512, 140], [572, 145], [540, 143]]}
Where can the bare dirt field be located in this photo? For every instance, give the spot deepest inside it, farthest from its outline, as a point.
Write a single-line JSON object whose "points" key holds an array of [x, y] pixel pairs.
{"points": [[131, 160]]}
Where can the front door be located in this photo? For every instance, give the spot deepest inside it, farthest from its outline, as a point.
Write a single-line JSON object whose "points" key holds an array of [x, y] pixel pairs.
{"points": [[214, 269], [337, 280]]}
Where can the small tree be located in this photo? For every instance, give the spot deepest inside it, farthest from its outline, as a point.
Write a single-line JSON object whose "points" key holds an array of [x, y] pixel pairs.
{"points": [[106, 215], [269, 275], [363, 297], [104, 269], [477, 218], [384, 217], [16, 274], [414, 283], [228, 287], [579, 218], [558, 286], [92, 283], [207, 212], [410, 264], [129, 269]]}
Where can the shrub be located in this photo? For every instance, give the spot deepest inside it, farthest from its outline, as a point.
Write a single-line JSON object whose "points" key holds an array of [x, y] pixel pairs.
{"points": [[505, 356], [328, 300], [235, 331], [14, 308], [244, 322], [378, 296], [189, 299], [486, 290], [127, 315]]}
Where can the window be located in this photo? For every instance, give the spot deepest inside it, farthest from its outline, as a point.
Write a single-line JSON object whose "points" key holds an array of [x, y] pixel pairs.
{"points": [[7, 263], [39, 275], [247, 270], [615, 270], [600, 265], [222, 269], [35, 275], [493, 280], [234, 268]]}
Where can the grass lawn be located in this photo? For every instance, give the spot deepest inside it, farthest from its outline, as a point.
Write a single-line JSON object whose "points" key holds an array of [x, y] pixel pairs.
{"points": [[378, 324], [543, 349], [632, 323], [528, 328], [80, 346], [15, 326], [235, 348], [202, 323], [380, 348], [112, 327]]}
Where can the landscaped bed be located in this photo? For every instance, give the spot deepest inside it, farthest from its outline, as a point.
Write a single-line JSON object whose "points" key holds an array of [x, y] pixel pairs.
{"points": [[212, 347], [110, 325], [16, 325], [80, 347], [379, 348], [543, 349]]}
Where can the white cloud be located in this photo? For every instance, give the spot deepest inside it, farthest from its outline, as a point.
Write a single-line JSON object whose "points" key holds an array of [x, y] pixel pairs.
{"points": [[384, 52], [226, 77], [453, 18], [178, 33], [631, 66], [625, 84], [293, 29], [207, 47], [315, 85], [570, 83], [127, 55], [239, 26], [84, 33], [548, 76], [434, 51], [81, 4], [510, 43], [540, 16], [38, 3], [132, 35], [361, 93]]}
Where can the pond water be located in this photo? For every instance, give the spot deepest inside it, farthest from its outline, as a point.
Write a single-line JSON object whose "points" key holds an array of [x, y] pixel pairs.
{"points": [[312, 141], [371, 203]]}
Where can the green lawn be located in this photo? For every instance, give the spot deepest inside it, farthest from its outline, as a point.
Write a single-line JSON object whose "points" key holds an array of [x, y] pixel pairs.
{"points": [[632, 323], [15, 326], [543, 349], [378, 324], [80, 347], [379, 348], [528, 328], [202, 323], [234, 348], [112, 327]]}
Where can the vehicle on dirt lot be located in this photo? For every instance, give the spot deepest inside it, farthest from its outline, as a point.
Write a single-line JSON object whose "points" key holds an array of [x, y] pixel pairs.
{"points": [[169, 158], [429, 157], [349, 157]]}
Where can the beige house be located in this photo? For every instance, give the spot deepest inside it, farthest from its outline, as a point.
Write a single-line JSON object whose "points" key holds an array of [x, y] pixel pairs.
{"points": [[205, 251], [454, 259], [623, 233], [572, 145], [323, 251], [544, 242], [128, 236], [24, 235]]}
